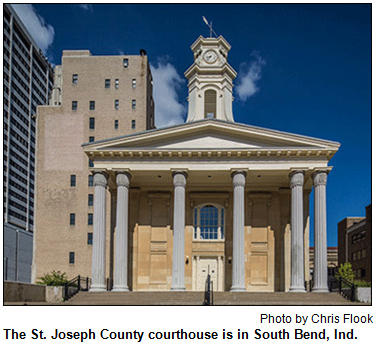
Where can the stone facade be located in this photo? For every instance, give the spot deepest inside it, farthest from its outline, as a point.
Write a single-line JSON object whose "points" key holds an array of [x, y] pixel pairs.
{"points": [[208, 196]]}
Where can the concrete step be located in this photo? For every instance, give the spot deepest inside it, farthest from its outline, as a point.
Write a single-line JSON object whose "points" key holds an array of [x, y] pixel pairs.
{"points": [[197, 298]]}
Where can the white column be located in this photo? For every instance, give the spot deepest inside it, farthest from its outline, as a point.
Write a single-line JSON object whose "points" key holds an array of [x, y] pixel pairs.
{"points": [[320, 270], [121, 246], [238, 267], [98, 275], [178, 284], [297, 233]]}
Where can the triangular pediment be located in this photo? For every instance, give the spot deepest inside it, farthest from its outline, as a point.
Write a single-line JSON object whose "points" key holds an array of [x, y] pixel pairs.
{"points": [[211, 135]]}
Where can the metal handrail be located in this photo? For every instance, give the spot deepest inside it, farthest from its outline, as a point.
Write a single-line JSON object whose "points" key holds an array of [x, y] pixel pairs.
{"points": [[343, 287], [208, 296], [75, 285]]}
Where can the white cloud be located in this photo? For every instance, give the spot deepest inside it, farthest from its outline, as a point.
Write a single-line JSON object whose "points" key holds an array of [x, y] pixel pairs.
{"points": [[167, 82], [42, 32], [249, 74], [86, 7]]}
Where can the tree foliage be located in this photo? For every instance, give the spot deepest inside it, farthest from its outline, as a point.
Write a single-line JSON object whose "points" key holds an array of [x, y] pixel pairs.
{"points": [[345, 271], [55, 278]]}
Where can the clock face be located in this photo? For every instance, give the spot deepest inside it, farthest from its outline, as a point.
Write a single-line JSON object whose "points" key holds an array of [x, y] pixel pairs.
{"points": [[210, 56]]}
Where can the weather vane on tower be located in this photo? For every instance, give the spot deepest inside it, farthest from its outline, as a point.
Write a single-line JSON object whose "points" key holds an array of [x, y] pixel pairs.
{"points": [[210, 26]]}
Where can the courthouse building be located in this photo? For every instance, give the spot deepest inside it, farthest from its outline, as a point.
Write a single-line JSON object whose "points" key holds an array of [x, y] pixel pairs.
{"points": [[159, 209]]}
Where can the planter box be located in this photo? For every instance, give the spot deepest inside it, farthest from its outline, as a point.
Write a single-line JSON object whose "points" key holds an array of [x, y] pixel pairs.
{"points": [[363, 294]]}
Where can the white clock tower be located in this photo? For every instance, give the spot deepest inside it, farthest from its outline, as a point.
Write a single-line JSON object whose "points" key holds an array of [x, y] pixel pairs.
{"points": [[210, 80]]}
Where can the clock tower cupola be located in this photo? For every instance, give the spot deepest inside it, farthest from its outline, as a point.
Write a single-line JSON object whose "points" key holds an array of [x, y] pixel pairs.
{"points": [[210, 80]]}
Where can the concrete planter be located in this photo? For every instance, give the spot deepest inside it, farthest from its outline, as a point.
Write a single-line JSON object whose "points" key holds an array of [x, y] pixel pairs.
{"points": [[363, 294], [54, 294]]}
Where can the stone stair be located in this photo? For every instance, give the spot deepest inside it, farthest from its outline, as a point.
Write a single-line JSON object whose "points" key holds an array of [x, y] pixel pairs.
{"points": [[197, 298]]}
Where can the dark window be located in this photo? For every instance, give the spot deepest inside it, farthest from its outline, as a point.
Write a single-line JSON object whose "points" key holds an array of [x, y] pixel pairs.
{"points": [[133, 83], [92, 105], [91, 181], [133, 104], [91, 139], [91, 164], [125, 62], [89, 238], [73, 180], [116, 83], [133, 124], [74, 105], [116, 124], [75, 78], [92, 123], [71, 258], [72, 220], [90, 219], [116, 104], [107, 83], [90, 200]]}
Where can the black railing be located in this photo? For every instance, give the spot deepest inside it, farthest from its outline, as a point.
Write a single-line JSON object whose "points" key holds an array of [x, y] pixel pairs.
{"points": [[343, 287], [75, 285], [208, 297]]}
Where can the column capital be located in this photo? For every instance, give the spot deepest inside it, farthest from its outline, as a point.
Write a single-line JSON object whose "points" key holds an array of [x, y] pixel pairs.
{"points": [[319, 178], [296, 178], [238, 178], [122, 178], [180, 178], [100, 178]]}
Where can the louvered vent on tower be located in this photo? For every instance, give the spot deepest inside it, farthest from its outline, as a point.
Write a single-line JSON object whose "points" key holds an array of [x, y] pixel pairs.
{"points": [[210, 104]]}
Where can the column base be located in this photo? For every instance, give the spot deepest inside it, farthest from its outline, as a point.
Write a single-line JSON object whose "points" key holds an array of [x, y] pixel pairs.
{"points": [[320, 289], [98, 289], [120, 289], [178, 288], [237, 289], [297, 289]]}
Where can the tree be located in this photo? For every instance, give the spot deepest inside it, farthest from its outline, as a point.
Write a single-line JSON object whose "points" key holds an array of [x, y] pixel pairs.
{"points": [[345, 271], [55, 278]]}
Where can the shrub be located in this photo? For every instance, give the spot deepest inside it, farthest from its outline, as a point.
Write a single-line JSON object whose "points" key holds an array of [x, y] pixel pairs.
{"points": [[362, 283], [55, 278], [345, 271]]}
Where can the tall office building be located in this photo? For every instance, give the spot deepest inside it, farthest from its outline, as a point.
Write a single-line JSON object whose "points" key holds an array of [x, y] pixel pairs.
{"points": [[28, 80], [93, 98]]}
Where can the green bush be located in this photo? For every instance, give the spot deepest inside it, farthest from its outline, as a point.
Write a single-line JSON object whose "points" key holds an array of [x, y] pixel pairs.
{"points": [[345, 271], [55, 278], [362, 283]]}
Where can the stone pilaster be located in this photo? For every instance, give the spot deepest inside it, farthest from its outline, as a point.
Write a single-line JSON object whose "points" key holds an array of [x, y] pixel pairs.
{"points": [[180, 180], [320, 270], [98, 275], [297, 232], [238, 266], [121, 247]]}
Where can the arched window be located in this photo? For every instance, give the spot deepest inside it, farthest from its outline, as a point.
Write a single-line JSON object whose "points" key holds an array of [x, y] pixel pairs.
{"points": [[208, 222], [210, 110]]}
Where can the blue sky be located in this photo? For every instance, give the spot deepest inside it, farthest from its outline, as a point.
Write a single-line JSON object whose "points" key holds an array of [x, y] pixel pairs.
{"points": [[304, 69]]}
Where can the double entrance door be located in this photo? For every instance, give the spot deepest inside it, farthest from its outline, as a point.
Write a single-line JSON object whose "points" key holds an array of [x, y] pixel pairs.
{"points": [[211, 265]]}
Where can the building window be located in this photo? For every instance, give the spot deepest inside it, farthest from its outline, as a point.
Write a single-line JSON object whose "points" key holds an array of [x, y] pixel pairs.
{"points": [[133, 83], [74, 105], [92, 105], [91, 164], [91, 139], [133, 104], [364, 253], [208, 222], [91, 180], [107, 83], [116, 83], [72, 219], [116, 124], [73, 180], [75, 78], [116, 104], [90, 200], [90, 238], [89, 219], [210, 106], [71, 258], [125, 63], [133, 124], [92, 123]]}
